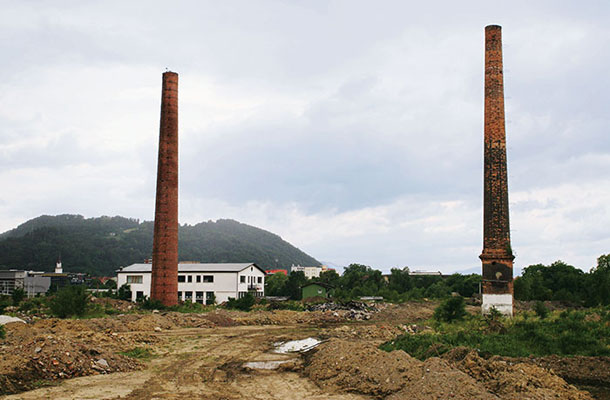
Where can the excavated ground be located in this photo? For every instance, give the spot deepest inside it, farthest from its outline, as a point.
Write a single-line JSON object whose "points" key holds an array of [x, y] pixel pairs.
{"points": [[206, 356]]}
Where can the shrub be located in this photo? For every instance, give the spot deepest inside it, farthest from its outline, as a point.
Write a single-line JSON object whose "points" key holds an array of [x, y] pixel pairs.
{"points": [[450, 310], [69, 301], [18, 296], [33, 304], [286, 305], [244, 304], [124, 292], [150, 304], [188, 307], [541, 310], [5, 301]]}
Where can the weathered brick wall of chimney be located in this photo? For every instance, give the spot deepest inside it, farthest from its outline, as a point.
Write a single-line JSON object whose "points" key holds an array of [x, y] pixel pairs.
{"points": [[497, 256], [164, 286]]}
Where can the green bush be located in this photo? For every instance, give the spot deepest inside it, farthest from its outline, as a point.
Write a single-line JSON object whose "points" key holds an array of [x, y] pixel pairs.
{"points": [[124, 292], [452, 309], [243, 304], [34, 304], [151, 304], [541, 310], [188, 307], [286, 305], [5, 301], [18, 296], [2, 332], [69, 301]]}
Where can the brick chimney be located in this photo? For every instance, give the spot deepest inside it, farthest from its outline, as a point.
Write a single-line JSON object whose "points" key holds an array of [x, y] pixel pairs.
{"points": [[497, 256], [164, 285]]}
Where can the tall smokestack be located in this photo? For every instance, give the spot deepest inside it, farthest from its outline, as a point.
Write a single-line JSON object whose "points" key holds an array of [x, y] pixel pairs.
{"points": [[164, 285], [497, 256]]}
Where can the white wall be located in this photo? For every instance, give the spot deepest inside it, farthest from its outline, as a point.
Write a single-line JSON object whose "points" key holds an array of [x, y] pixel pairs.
{"points": [[502, 303], [225, 285]]}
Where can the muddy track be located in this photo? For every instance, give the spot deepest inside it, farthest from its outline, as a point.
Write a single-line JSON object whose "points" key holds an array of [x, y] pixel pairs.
{"points": [[201, 363]]}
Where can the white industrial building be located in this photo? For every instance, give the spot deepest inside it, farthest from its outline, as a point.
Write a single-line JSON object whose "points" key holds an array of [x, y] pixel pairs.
{"points": [[33, 283], [199, 283], [310, 272]]}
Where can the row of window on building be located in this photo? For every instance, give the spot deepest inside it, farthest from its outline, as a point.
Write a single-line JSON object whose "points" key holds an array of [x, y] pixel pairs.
{"points": [[184, 279], [251, 279], [198, 278]]}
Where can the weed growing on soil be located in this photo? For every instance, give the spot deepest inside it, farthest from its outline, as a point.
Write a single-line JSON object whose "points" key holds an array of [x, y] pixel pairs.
{"points": [[585, 333], [243, 304], [452, 309], [141, 353], [286, 305], [69, 301]]}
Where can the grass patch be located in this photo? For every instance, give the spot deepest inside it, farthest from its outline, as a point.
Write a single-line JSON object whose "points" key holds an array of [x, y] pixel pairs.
{"points": [[585, 333], [141, 353]]}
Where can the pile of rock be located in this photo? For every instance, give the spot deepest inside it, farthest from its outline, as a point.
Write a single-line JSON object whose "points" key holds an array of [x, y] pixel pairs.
{"points": [[356, 310]]}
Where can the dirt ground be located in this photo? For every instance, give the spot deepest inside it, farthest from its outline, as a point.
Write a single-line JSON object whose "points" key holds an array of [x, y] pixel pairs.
{"points": [[180, 356]]}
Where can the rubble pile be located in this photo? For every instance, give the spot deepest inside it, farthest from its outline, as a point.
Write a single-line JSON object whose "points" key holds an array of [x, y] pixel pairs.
{"points": [[354, 310], [33, 354], [512, 380], [363, 368]]}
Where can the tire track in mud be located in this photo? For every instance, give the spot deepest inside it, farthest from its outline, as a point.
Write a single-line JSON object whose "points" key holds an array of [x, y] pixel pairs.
{"points": [[200, 363]]}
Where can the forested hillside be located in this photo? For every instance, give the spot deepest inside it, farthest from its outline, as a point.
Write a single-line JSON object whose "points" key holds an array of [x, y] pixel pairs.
{"points": [[101, 245]]}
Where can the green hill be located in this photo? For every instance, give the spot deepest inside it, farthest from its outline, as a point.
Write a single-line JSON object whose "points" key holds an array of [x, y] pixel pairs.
{"points": [[101, 245]]}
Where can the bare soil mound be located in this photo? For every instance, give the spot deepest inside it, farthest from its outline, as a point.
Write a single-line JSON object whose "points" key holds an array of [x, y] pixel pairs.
{"points": [[577, 369], [513, 380], [363, 368], [58, 350]]}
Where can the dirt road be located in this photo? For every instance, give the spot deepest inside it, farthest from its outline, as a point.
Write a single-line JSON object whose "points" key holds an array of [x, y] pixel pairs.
{"points": [[202, 363]]}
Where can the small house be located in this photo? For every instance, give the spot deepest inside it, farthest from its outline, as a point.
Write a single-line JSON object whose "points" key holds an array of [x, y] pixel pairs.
{"points": [[316, 289]]}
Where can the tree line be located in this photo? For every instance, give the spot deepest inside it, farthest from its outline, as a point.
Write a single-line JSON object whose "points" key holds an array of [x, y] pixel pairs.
{"points": [[558, 281]]}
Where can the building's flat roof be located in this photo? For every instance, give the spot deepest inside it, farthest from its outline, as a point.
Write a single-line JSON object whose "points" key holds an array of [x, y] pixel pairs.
{"points": [[194, 267]]}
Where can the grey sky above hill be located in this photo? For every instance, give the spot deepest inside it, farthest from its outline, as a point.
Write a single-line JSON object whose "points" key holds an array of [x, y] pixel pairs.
{"points": [[353, 129]]}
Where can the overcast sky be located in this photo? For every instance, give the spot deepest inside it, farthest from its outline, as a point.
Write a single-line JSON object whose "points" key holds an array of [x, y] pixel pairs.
{"points": [[353, 129]]}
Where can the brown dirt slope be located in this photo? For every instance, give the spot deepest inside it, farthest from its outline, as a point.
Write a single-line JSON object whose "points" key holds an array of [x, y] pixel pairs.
{"points": [[362, 368]]}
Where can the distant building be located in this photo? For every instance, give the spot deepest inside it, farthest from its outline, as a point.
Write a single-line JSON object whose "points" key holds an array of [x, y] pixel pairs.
{"points": [[276, 271], [33, 283], [310, 272], [316, 289], [199, 283], [426, 273]]}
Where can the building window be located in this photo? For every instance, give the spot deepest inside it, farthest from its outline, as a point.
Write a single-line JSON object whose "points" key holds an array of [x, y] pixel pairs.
{"points": [[188, 296], [242, 279], [210, 298], [199, 297], [134, 278], [179, 296], [260, 279], [189, 278], [181, 278], [198, 278], [208, 278], [139, 295]]}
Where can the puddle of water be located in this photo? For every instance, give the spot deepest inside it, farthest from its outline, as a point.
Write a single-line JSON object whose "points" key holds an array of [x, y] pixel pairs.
{"points": [[296, 345], [264, 364]]}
